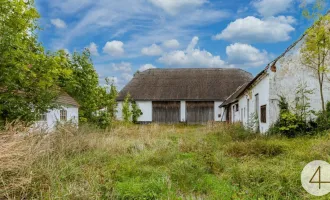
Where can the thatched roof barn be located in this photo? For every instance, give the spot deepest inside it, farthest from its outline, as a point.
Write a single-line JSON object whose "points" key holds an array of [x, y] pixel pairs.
{"points": [[187, 95]]}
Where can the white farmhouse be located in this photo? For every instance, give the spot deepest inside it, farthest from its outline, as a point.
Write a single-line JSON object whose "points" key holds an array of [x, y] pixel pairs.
{"points": [[67, 112], [260, 97], [191, 95]]}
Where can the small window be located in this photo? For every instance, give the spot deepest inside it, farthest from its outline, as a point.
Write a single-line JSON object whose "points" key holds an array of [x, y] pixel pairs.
{"points": [[237, 108], [63, 115], [263, 111], [43, 117]]}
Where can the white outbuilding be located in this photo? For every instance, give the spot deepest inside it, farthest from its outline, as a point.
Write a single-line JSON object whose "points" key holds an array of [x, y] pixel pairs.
{"points": [[67, 112], [257, 101]]}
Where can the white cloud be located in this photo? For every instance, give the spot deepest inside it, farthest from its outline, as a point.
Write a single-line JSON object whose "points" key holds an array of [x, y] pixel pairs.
{"points": [[93, 49], [146, 67], [70, 6], [272, 7], [153, 50], [192, 57], [171, 44], [252, 29], [174, 6], [127, 77], [58, 23], [244, 55], [114, 48], [141, 20], [123, 67]]}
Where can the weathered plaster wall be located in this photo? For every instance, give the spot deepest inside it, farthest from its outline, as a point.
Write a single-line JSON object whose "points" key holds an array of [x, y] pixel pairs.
{"points": [[290, 73], [235, 114], [262, 89], [217, 111]]}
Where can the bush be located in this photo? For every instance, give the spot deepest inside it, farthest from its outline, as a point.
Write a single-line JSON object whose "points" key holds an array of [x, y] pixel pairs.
{"points": [[323, 119], [292, 124], [102, 120]]}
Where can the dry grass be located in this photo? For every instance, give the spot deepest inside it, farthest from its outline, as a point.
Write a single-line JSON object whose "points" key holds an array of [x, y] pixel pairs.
{"points": [[154, 162]]}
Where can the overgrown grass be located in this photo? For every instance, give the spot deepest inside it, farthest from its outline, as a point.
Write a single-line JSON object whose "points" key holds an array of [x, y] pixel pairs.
{"points": [[216, 161]]}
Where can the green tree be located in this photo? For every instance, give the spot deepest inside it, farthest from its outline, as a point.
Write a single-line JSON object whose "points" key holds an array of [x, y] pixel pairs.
{"points": [[83, 84], [126, 110], [28, 75], [106, 116], [136, 112], [302, 101], [316, 46], [111, 99]]}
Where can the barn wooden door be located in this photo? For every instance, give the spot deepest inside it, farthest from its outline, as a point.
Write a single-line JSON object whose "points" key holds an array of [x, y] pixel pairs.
{"points": [[166, 112], [200, 112], [229, 115]]}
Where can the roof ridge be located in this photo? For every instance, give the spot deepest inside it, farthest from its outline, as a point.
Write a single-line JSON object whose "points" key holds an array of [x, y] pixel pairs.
{"points": [[191, 68]]}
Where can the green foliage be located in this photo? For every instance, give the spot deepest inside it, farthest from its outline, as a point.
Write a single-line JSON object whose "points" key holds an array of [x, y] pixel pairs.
{"points": [[297, 120], [136, 112], [287, 123], [111, 99], [130, 110], [31, 80], [253, 122], [28, 76], [315, 49], [104, 118], [83, 84], [126, 110], [323, 119]]}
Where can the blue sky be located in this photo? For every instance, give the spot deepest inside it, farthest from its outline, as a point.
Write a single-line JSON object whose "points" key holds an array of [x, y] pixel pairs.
{"points": [[129, 35]]}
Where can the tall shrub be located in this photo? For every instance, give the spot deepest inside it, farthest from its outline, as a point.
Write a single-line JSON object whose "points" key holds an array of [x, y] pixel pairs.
{"points": [[136, 112], [127, 113], [315, 49]]}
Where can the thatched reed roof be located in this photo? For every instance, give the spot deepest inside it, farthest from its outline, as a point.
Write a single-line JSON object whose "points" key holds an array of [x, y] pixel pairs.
{"points": [[185, 84], [66, 99]]}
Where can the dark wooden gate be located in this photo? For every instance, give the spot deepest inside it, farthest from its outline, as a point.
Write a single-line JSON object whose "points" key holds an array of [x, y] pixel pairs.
{"points": [[200, 112], [166, 112], [229, 113]]}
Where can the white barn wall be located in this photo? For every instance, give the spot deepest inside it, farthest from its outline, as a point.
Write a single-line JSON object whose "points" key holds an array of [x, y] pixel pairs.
{"points": [[119, 113], [243, 105], [235, 114], [223, 113], [145, 106], [261, 88], [183, 111], [217, 111]]}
